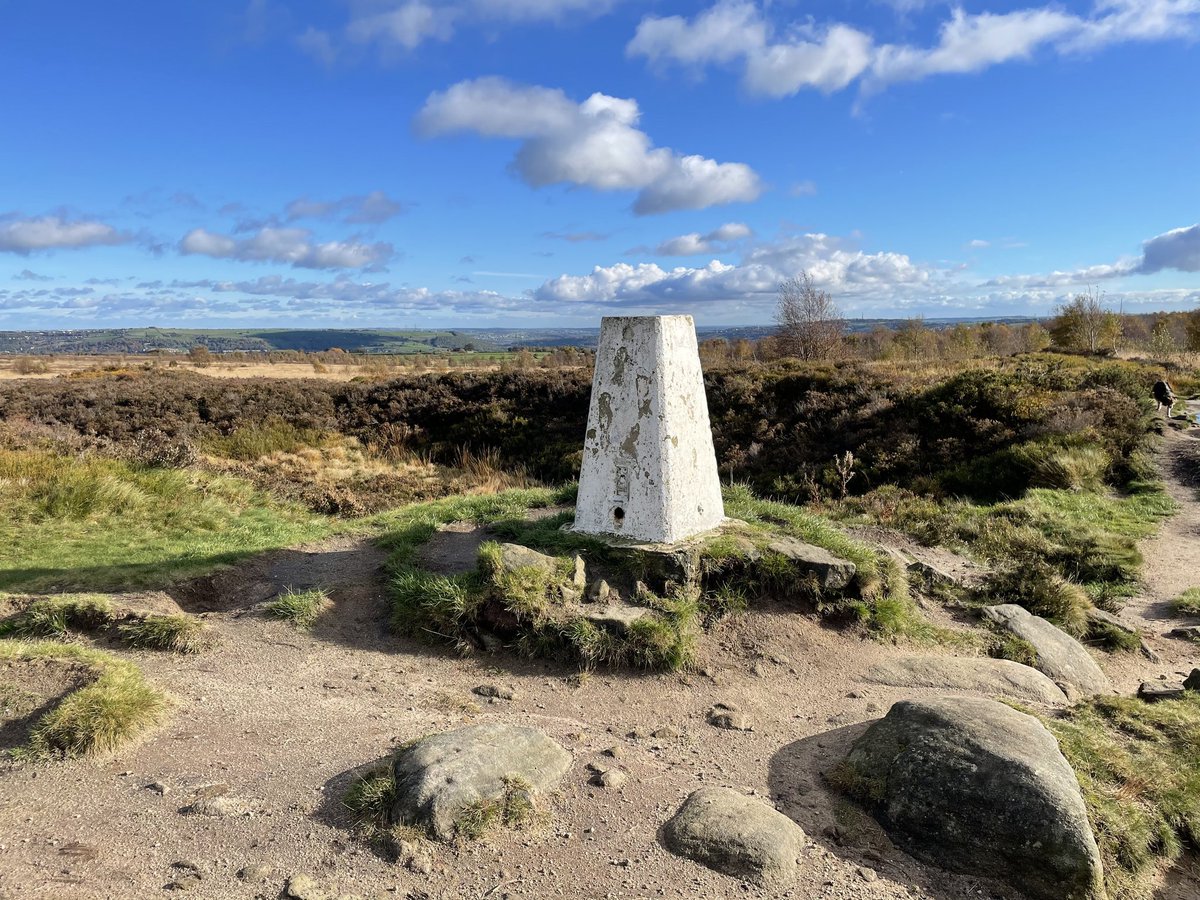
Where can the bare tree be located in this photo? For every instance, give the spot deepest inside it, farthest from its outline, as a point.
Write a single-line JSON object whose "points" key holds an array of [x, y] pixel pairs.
{"points": [[1084, 324], [810, 325]]}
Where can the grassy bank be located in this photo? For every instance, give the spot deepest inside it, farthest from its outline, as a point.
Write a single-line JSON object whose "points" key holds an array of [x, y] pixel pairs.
{"points": [[97, 523]]}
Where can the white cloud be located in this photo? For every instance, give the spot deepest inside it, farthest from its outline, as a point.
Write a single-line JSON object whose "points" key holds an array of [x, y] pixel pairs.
{"points": [[970, 43], [978, 244], [831, 264], [779, 62], [293, 246], [803, 189], [1176, 249], [371, 208], [695, 243], [404, 25], [592, 144], [29, 235]]}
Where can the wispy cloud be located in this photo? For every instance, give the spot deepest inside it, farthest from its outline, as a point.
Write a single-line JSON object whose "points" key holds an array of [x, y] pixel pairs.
{"points": [[292, 246]]}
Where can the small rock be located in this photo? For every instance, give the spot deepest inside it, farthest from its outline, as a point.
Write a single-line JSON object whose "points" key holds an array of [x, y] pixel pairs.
{"points": [[491, 690], [1192, 632], [1152, 693], [667, 733], [725, 715], [612, 778], [599, 592], [415, 857], [758, 670], [304, 887], [616, 751], [737, 835], [866, 874], [185, 882], [256, 873], [579, 578], [222, 807], [158, 787], [1192, 682]]}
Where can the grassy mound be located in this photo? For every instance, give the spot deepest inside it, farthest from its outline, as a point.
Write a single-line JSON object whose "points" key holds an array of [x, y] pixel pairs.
{"points": [[534, 605], [1139, 767], [99, 718]]}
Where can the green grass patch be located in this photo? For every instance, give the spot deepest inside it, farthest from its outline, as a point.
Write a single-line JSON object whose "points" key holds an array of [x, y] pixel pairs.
{"points": [[55, 617], [1187, 603], [176, 633], [1138, 765], [1038, 588], [301, 608], [104, 524], [513, 809], [99, 718]]}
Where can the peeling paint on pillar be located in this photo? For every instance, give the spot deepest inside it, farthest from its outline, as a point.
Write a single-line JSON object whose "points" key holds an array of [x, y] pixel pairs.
{"points": [[649, 469]]}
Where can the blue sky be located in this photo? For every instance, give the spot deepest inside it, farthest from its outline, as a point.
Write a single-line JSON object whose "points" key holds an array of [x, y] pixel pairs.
{"points": [[410, 163]]}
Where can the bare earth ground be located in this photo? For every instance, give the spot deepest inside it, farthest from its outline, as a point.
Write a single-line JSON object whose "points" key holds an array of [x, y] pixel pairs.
{"points": [[283, 719]]}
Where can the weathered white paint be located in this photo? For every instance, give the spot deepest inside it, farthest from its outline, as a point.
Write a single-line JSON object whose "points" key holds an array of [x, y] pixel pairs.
{"points": [[649, 470]]}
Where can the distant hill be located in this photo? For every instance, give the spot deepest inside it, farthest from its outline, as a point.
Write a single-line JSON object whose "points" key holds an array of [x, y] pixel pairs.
{"points": [[366, 340]]}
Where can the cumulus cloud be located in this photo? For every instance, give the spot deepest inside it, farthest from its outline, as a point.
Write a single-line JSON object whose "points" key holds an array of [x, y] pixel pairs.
{"points": [[779, 62], [30, 235], [695, 243], [403, 25], [293, 246], [827, 259], [1176, 249], [592, 144]]}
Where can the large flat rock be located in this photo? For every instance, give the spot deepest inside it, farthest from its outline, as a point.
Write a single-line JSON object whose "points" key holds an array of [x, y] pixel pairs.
{"points": [[737, 835], [1059, 655], [441, 776], [996, 677], [974, 786]]}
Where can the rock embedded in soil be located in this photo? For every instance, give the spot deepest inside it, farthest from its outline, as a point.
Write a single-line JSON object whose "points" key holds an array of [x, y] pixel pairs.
{"points": [[1192, 682], [997, 677], [737, 835], [1062, 658], [727, 716], [491, 690], [617, 617], [974, 786], [304, 887], [516, 556], [256, 873], [440, 777]]}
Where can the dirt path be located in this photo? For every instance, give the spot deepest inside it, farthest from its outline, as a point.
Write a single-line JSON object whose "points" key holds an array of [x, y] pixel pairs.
{"points": [[282, 719], [1172, 565]]}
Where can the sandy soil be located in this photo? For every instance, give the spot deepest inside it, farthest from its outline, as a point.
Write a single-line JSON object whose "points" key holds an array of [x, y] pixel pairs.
{"points": [[283, 719]]}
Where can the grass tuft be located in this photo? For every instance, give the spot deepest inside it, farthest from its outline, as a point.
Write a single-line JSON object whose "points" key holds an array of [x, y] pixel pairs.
{"points": [[55, 617], [178, 633], [1187, 603], [301, 608], [99, 718]]}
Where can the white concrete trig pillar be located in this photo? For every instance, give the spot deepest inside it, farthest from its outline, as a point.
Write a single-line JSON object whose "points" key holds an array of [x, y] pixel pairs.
{"points": [[649, 469]]}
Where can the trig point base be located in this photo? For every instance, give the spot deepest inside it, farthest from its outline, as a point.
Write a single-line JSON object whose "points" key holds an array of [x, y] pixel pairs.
{"points": [[649, 469]]}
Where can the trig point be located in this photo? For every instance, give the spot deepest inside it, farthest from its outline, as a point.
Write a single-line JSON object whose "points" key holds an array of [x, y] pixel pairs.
{"points": [[649, 469]]}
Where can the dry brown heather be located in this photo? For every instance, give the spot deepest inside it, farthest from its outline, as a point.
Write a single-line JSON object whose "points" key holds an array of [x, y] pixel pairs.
{"points": [[220, 606]]}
